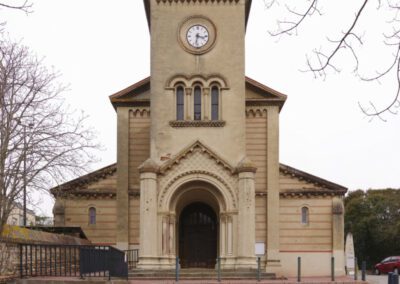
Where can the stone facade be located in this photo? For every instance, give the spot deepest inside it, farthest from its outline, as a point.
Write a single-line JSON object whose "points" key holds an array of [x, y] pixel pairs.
{"points": [[216, 145]]}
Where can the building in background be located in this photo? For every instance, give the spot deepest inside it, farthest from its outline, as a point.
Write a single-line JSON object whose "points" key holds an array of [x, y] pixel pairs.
{"points": [[198, 173], [16, 216]]}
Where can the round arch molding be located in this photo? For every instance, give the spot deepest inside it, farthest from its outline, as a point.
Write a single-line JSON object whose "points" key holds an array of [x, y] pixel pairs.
{"points": [[212, 184]]}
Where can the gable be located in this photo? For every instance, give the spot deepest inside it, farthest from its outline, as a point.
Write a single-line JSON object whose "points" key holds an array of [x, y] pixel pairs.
{"points": [[136, 94], [293, 182], [101, 182], [259, 94], [197, 146]]}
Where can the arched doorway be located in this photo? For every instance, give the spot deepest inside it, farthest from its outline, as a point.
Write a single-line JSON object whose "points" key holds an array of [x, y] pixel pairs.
{"points": [[198, 233]]}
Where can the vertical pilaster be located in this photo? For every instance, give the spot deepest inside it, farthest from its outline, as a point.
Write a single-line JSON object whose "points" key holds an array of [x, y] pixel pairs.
{"points": [[273, 264], [246, 215], [148, 257], [122, 178], [338, 235]]}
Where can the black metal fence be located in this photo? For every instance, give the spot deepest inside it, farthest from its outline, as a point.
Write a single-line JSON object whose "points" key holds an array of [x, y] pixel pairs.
{"points": [[71, 260], [132, 258]]}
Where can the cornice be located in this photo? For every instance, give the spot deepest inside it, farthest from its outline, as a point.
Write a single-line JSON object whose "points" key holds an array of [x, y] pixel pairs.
{"points": [[197, 123], [84, 180], [147, 4], [325, 185]]}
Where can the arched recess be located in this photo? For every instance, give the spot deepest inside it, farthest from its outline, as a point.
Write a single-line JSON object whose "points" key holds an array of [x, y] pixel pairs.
{"points": [[192, 188], [220, 189]]}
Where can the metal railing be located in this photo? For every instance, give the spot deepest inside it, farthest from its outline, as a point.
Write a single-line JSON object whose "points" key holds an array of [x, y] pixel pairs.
{"points": [[48, 260], [132, 257], [71, 260]]}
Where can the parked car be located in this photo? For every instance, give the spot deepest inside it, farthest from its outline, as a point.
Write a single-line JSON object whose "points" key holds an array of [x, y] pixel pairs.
{"points": [[389, 264]]}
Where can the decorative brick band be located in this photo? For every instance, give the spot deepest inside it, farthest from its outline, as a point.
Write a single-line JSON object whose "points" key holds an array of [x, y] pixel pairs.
{"points": [[197, 123]]}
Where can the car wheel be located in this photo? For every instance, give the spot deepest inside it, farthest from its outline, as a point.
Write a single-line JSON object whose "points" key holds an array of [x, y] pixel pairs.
{"points": [[396, 271], [377, 272]]}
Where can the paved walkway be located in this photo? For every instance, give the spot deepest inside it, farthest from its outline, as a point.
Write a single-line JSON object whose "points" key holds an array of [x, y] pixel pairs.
{"points": [[305, 280]]}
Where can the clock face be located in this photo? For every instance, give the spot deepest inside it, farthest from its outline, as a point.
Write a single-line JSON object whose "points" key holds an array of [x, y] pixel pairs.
{"points": [[197, 36]]}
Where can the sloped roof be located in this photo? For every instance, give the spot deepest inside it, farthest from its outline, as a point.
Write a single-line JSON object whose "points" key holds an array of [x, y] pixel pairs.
{"points": [[323, 183], [147, 6], [129, 95], [85, 180], [326, 186]]}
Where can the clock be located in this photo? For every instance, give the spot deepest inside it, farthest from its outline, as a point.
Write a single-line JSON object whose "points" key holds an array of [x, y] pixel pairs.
{"points": [[197, 35]]}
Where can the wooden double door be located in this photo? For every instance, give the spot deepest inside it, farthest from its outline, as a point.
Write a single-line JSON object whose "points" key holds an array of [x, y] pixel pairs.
{"points": [[198, 231]]}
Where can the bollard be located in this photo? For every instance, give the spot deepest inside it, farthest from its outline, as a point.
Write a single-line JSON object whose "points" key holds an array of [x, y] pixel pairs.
{"points": [[333, 268], [258, 269], [355, 269], [219, 269], [390, 277], [177, 269], [363, 270], [298, 269], [395, 278]]}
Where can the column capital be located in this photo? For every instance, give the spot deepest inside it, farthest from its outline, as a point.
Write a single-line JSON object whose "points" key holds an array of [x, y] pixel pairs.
{"points": [[188, 91], [206, 91], [149, 166], [246, 166]]}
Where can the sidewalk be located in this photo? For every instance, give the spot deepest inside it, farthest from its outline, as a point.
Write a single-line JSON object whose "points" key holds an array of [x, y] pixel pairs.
{"points": [[73, 280]]}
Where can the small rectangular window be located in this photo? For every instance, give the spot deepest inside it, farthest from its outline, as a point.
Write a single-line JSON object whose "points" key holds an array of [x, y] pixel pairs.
{"points": [[92, 215], [304, 215]]}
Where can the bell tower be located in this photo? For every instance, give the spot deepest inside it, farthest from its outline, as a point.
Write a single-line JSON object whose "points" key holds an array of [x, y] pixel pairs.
{"points": [[197, 75]]}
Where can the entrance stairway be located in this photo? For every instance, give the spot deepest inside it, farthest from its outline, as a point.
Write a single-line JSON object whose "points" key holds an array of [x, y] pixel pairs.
{"points": [[198, 273]]}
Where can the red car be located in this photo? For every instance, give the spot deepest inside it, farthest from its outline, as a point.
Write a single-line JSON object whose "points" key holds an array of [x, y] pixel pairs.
{"points": [[389, 264]]}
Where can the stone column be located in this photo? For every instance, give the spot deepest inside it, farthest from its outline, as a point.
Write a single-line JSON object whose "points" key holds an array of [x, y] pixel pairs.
{"points": [[148, 256], [338, 235], [206, 104], [246, 216], [188, 106], [222, 238], [273, 264], [122, 178], [172, 235]]}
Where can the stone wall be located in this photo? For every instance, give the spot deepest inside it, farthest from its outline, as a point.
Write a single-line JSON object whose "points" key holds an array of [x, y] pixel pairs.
{"points": [[13, 236]]}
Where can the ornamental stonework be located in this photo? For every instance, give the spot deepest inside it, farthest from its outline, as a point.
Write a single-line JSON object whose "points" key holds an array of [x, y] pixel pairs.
{"points": [[200, 162]]}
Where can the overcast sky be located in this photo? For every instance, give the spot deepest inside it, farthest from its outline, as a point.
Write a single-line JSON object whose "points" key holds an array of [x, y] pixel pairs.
{"points": [[102, 46]]}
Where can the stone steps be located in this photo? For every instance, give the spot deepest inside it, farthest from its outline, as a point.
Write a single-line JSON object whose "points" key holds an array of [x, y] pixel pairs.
{"points": [[198, 274]]}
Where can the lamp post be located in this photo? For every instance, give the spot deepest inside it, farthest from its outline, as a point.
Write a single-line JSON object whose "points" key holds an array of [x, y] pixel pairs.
{"points": [[30, 125]]}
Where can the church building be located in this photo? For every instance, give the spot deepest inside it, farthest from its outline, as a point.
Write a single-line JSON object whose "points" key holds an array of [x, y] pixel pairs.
{"points": [[197, 173]]}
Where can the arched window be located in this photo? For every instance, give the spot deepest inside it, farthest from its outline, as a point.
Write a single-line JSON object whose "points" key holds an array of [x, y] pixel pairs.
{"points": [[214, 103], [179, 103], [92, 216], [197, 103], [304, 215]]}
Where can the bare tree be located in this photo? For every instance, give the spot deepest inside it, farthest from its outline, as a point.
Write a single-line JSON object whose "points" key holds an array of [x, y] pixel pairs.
{"points": [[21, 5], [349, 40], [42, 142]]}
